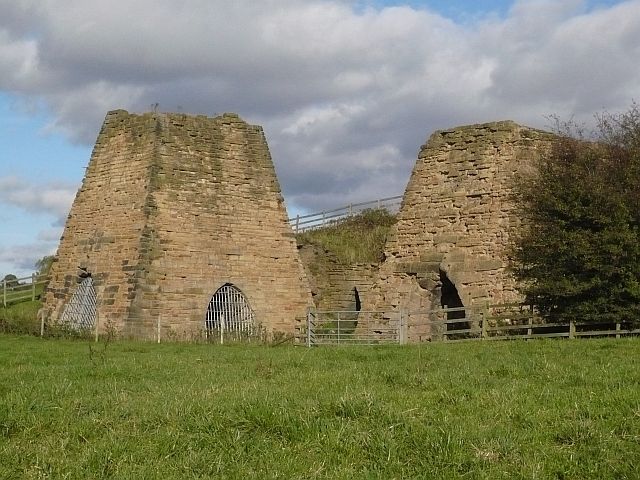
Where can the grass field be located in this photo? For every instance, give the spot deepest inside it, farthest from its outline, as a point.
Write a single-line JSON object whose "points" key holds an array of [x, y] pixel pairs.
{"points": [[538, 409], [20, 317]]}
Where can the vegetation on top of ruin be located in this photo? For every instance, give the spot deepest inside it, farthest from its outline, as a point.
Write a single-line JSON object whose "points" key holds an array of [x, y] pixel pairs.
{"points": [[578, 252], [356, 239]]}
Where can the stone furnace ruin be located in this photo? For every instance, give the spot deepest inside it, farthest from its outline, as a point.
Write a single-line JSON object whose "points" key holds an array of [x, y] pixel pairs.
{"points": [[448, 247], [180, 228], [179, 225]]}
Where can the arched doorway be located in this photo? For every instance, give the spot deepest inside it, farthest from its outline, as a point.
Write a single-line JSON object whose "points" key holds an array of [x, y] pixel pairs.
{"points": [[80, 313], [449, 298], [229, 310]]}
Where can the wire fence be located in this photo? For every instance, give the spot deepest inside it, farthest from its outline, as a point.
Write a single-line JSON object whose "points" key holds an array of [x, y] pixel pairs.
{"points": [[343, 327], [325, 328], [158, 329], [302, 223]]}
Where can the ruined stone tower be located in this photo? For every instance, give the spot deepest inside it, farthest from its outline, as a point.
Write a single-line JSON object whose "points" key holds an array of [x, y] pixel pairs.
{"points": [[448, 246], [177, 215]]}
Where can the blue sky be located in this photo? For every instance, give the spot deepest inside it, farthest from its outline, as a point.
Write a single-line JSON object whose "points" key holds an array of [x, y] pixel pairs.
{"points": [[464, 11], [346, 91], [31, 153], [459, 11]]}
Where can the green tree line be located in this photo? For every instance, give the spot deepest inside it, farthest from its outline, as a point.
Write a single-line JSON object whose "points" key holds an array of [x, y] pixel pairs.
{"points": [[577, 254]]}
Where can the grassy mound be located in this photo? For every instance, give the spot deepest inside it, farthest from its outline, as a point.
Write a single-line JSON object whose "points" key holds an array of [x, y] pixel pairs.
{"points": [[357, 239]]}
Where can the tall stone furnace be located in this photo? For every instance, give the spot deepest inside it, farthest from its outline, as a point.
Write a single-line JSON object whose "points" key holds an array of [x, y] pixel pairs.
{"points": [[449, 245], [179, 225]]}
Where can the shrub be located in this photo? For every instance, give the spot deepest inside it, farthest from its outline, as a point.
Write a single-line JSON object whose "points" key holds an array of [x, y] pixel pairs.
{"points": [[578, 252]]}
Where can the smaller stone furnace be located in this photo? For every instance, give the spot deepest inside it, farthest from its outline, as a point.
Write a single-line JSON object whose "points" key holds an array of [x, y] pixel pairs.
{"points": [[448, 247], [180, 226]]}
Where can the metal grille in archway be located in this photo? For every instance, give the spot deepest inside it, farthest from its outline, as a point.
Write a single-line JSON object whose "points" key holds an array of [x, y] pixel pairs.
{"points": [[229, 310], [80, 312]]}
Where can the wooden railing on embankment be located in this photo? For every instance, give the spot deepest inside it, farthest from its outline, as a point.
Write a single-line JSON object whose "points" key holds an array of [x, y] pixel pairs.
{"points": [[301, 223], [22, 289]]}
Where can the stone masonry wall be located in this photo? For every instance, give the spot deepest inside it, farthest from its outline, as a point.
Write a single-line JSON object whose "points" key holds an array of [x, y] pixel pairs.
{"points": [[198, 206], [103, 232], [333, 284], [455, 219]]}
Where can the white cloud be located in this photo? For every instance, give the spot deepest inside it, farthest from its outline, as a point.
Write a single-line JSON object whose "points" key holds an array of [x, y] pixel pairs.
{"points": [[576, 65], [19, 59], [49, 200], [305, 122], [20, 260], [93, 99], [51, 234], [346, 95], [52, 198]]}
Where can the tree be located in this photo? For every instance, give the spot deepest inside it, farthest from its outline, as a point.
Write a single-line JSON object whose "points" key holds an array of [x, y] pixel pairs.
{"points": [[11, 280], [44, 265], [577, 254]]}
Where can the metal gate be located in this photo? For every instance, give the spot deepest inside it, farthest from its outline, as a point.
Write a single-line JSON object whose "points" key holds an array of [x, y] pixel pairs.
{"points": [[229, 311], [80, 313], [391, 327], [354, 328]]}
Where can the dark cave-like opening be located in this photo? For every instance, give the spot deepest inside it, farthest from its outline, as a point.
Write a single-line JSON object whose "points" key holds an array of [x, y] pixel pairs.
{"points": [[449, 298]]}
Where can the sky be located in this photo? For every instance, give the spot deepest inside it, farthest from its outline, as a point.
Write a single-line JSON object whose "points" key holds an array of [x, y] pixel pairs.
{"points": [[346, 91]]}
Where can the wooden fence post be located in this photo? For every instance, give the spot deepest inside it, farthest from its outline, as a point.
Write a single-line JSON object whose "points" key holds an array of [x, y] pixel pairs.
{"points": [[617, 329], [445, 325], [4, 292], [159, 323], [97, 323], [531, 313], [368, 321], [483, 317], [33, 287], [402, 339], [297, 222], [572, 328]]}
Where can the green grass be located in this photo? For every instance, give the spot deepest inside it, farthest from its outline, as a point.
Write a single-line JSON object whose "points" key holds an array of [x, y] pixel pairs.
{"points": [[357, 239], [21, 317], [540, 409]]}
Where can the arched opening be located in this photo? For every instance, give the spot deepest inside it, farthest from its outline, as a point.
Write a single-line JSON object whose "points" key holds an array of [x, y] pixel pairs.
{"points": [[349, 320], [356, 300], [449, 298], [80, 312], [229, 311]]}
